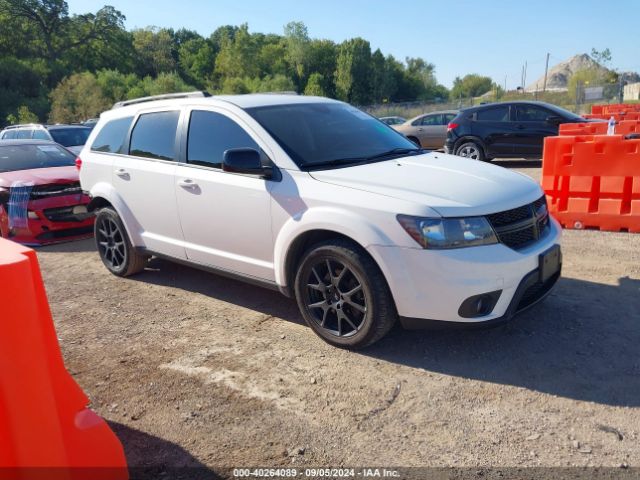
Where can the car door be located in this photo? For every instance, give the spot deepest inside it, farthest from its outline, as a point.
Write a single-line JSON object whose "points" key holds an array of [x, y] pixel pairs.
{"points": [[531, 128], [225, 217], [494, 127], [432, 131], [144, 179]]}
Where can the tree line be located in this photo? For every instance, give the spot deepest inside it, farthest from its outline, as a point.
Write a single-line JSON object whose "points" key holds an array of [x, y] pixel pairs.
{"points": [[62, 68]]}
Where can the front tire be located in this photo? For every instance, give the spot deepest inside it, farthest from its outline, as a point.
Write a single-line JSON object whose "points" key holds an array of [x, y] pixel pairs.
{"points": [[343, 296], [470, 150], [114, 246]]}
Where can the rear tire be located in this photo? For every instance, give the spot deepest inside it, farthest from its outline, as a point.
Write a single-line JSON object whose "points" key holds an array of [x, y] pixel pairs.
{"points": [[114, 246], [343, 295], [470, 150]]}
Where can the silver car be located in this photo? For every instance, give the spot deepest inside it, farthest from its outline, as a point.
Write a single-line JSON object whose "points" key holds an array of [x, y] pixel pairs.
{"points": [[428, 130]]}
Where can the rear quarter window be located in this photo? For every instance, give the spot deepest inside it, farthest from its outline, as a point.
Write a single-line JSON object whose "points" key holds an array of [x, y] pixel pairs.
{"points": [[112, 136], [494, 114]]}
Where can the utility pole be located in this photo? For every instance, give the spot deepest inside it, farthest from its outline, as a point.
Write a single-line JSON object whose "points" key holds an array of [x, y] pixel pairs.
{"points": [[524, 81], [546, 70]]}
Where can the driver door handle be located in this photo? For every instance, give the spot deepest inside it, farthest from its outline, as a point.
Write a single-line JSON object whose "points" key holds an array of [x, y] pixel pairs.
{"points": [[187, 183], [121, 172]]}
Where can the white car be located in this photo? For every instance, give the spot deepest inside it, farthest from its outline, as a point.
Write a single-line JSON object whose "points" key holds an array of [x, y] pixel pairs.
{"points": [[321, 201]]}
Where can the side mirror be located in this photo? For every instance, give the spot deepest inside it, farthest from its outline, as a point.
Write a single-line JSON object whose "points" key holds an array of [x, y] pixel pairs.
{"points": [[554, 120], [244, 160]]}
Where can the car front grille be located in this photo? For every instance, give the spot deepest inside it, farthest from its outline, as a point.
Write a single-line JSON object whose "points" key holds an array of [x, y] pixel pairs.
{"points": [[55, 190], [520, 227]]}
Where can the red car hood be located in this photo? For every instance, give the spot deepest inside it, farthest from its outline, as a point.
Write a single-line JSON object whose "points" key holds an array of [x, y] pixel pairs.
{"points": [[40, 176]]}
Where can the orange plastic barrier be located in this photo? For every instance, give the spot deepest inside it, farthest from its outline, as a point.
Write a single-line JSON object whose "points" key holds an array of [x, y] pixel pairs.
{"points": [[593, 181], [599, 128], [605, 109], [46, 429], [618, 117]]}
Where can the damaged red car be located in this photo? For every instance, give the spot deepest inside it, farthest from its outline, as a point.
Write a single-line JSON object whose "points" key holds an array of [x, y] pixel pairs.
{"points": [[41, 201]]}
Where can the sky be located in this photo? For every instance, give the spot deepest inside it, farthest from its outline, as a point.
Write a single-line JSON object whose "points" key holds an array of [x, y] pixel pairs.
{"points": [[490, 37]]}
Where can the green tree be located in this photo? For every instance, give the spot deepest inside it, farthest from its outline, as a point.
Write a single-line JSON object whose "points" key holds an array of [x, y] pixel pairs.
{"points": [[353, 71], [197, 60], [237, 56], [472, 85], [77, 98], [21, 83], [163, 83], [116, 86], [602, 57], [22, 115], [316, 85], [58, 37], [322, 59], [154, 49], [297, 53]]}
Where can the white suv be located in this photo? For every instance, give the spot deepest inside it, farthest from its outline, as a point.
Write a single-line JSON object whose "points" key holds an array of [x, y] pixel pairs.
{"points": [[316, 199]]}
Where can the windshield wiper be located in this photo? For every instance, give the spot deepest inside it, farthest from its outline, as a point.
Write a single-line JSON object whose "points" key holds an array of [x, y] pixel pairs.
{"points": [[396, 152], [350, 162]]}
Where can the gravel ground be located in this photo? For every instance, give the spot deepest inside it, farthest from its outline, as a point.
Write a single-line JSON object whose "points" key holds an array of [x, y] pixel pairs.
{"points": [[195, 370]]}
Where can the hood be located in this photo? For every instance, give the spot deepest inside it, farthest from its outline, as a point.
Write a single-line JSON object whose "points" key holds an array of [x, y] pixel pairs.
{"points": [[40, 176], [453, 186]]}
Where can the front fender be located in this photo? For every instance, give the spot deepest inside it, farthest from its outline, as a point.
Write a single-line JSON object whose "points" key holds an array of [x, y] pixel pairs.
{"points": [[110, 194], [333, 219]]}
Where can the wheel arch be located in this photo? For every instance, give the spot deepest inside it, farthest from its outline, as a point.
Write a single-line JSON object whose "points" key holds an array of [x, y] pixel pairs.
{"points": [[294, 239], [470, 138], [104, 195]]}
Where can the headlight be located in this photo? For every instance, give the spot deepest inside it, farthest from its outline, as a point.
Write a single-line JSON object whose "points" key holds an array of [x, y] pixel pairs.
{"points": [[441, 233]]}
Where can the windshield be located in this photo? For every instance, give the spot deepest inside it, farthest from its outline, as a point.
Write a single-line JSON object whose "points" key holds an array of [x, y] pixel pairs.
{"points": [[564, 113], [330, 134], [70, 137], [27, 157]]}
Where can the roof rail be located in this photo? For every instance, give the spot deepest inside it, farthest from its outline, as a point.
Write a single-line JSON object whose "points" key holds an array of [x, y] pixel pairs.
{"points": [[166, 96]]}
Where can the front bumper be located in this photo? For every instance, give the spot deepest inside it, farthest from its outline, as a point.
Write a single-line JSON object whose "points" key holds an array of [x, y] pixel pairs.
{"points": [[431, 285], [55, 221]]}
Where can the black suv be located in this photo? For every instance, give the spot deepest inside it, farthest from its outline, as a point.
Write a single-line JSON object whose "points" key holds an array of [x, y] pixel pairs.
{"points": [[510, 129]]}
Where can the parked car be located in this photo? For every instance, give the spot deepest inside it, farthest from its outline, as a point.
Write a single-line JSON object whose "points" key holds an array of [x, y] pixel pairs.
{"points": [[311, 197], [428, 130], [393, 120], [510, 129], [41, 200], [72, 137]]}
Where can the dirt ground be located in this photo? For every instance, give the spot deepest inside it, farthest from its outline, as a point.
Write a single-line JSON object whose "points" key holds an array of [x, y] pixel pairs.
{"points": [[195, 370]]}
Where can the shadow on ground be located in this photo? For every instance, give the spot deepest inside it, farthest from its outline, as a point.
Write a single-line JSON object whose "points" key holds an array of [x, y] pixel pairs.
{"points": [[580, 343], [518, 163], [74, 246], [269, 302], [151, 458]]}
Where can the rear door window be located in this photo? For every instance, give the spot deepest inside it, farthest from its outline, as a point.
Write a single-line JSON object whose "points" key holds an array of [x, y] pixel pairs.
{"points": [[9, 135], [494, 114], [112, 136], [154, 135], [210, 134]]}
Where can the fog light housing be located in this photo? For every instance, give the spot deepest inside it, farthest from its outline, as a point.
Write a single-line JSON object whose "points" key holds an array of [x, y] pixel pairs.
{"points": [[479, 305]]}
